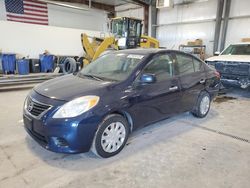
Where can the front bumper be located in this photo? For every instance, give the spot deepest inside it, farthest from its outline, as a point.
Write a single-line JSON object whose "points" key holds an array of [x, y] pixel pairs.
{"points": [[243, 83], [69, 135], [236, 74]]}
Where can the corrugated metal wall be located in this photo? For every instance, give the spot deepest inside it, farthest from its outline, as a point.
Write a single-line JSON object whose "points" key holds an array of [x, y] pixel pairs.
{"points": [[239, 24], [188, 22]]}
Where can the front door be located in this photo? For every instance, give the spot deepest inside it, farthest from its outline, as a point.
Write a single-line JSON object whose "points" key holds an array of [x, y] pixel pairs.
{"points": [[159, 100]]}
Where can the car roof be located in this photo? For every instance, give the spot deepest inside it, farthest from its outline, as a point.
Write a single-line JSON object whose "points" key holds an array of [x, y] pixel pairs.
{"points": [[145, 51]]}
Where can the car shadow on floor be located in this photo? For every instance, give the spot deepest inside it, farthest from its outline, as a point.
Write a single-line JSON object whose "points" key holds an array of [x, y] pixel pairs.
{"points": [[139, 141], [236, 92]]}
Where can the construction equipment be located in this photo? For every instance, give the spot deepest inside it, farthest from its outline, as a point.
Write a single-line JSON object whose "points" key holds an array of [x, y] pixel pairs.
{"points": [[126, 33]]}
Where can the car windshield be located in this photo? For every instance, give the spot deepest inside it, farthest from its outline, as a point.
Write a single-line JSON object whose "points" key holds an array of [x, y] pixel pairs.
{"points": [[112, 66], [239, 49]]}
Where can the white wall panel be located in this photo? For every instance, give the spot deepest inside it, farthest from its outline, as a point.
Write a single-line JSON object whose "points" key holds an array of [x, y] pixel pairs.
{"points": [[66, 17], [171, 36], [2, 10], [130, 10], [31, 40], [190, 12], [238, 28], [174, 35], [136, 13], [240, 7], [71, 18]]}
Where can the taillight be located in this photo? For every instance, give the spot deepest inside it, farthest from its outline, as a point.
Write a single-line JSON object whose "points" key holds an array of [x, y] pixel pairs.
{"points": [[217, 74]]}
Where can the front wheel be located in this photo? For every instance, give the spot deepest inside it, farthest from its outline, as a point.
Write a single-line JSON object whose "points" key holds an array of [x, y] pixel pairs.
{"points": [[111, 136], [202, 106]]}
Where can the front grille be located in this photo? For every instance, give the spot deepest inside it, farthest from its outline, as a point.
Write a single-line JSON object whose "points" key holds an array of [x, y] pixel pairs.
{"points": [[36, 108]]}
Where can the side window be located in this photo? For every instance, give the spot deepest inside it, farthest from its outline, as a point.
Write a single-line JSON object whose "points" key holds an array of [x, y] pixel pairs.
{"points": [[198, 66], [185, 64], [161, 67]]}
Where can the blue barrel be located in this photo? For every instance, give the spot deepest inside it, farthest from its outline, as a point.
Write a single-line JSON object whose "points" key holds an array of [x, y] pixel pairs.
{"points": [[47, 63], [9, 63], [23, 66]]}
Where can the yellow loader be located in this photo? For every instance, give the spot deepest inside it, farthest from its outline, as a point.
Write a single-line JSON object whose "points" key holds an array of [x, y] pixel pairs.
{"points": [[126, 33]]}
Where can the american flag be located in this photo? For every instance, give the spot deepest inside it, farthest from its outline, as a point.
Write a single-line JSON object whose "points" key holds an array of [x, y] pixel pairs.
{"points": [[27, 11]]}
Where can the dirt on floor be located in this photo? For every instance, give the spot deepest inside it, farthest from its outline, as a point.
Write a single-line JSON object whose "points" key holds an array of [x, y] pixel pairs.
{"points": [[223, 98]]}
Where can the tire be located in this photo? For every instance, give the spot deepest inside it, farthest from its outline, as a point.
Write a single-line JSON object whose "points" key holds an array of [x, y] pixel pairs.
{"points": [[111, 146], [202, 106], [69, 66]]}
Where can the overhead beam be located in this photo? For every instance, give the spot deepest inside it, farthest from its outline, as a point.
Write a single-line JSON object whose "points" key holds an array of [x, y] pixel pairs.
{"points": [[141, 2], [106, 7]]}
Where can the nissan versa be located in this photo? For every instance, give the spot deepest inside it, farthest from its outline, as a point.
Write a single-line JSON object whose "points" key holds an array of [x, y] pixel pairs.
{"points": [[99, 106]]}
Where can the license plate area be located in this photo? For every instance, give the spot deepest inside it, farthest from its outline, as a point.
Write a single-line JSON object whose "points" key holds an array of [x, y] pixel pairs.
{"points": [[28, 122]]}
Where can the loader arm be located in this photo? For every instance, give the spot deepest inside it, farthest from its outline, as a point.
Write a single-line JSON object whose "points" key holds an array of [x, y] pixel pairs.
{"points": [[98, 45], [87, 46], [105, 44]]}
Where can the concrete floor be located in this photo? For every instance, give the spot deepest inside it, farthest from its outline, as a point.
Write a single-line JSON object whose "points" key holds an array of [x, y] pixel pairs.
{"points": [[182, 151]]}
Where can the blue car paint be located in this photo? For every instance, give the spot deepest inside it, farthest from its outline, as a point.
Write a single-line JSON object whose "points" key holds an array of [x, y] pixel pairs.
{"points": [[141, 106]]}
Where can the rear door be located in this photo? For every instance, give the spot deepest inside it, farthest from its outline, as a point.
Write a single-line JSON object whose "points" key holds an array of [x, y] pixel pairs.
{"points": [[192, 78], [157, 100]]}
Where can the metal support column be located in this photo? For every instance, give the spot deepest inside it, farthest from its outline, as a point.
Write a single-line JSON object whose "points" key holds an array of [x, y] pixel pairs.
{"points": [[146, 16], [153, 18], [225, 24], [219, 13]]}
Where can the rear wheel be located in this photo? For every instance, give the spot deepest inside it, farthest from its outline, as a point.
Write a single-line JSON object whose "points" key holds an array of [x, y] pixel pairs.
{"points": [[202, 106], [111, 136]]}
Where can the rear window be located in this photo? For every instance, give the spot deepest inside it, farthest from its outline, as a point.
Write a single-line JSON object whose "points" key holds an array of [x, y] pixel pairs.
{"points": [[198, 65], [185, 64]]}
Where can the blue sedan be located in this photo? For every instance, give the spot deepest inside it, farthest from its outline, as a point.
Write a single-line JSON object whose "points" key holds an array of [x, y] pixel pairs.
{"points": [[98, 107]]}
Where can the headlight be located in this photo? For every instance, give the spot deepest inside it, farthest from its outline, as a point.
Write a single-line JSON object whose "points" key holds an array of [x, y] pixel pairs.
{"points": [[76, 107]]}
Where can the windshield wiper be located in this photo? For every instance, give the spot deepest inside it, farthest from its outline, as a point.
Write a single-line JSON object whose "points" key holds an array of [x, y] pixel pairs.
{"points": [[93, 76]]}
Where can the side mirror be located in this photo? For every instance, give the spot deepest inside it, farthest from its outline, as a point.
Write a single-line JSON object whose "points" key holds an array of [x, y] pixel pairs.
{"points": [[217, 53], [147, 79]]}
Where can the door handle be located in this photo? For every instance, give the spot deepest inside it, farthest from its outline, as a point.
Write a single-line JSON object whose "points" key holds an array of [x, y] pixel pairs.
{"points": [[202, 81], [173, 88]]}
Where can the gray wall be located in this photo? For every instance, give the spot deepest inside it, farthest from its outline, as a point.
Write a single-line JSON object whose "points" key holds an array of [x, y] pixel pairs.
{"points": [[182, 23]]}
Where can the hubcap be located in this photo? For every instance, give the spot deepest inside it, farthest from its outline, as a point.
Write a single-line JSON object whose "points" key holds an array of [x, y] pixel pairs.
{"points": [[113, 137], [204, 106]]}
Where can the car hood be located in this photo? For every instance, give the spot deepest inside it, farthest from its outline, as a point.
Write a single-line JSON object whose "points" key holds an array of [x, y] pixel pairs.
{"points": [[239, 58], [69, 87]]}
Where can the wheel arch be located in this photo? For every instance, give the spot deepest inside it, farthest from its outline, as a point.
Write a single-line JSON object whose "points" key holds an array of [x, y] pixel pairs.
{"points": [[126, 115]]}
